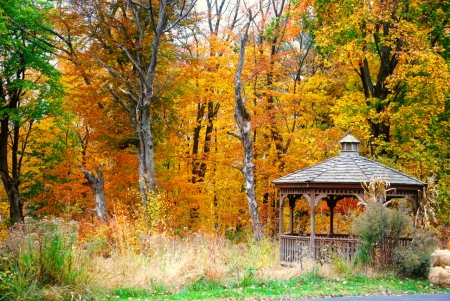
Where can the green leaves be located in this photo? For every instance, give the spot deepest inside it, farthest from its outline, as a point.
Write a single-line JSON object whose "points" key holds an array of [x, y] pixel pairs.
{"points": [[29, 86]]}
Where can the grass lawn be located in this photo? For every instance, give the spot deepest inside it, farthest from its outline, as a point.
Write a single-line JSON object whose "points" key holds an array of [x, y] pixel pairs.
{"points": [[308, 286]]}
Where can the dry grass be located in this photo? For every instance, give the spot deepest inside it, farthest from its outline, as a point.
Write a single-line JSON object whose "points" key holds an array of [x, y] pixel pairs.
{"points": [[440, 258], [177, 262]]}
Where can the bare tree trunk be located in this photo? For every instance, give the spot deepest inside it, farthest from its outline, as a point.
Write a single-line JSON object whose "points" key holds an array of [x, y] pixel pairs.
{"points": [[244, 127], [97, 186], [146, 153]]}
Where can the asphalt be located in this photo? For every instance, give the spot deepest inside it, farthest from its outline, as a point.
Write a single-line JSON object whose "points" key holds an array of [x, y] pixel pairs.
{"points": [[434, 297]]}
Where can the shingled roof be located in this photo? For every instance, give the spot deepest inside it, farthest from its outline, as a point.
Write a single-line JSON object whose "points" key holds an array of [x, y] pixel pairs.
{"points": [[348, 168]]}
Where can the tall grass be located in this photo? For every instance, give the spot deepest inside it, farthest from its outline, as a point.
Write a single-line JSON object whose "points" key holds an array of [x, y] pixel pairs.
{"points": [[175, 263], [42, 254], [142, 259], [50, 260]]}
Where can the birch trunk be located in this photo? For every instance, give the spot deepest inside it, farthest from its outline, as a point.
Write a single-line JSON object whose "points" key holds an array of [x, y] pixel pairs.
{"points": [[244, 127]]}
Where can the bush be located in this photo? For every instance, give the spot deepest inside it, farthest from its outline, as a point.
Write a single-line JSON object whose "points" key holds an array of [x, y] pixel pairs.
{"points": [[41, 253], [414, 260], [380, 230]]}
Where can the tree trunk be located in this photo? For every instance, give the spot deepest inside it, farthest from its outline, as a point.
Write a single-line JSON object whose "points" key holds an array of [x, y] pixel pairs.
{"points": [[244, 126], [135, 94], [10, 183], [388, 56], [146, 154], [97, 186], [15, 205]]}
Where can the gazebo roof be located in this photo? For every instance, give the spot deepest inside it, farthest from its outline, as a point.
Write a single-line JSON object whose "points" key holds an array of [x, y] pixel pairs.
{"points": [[348, 168]]}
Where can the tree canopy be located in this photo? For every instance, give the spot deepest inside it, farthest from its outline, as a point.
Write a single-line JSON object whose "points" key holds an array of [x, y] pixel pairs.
{"points": [[144, 93]]}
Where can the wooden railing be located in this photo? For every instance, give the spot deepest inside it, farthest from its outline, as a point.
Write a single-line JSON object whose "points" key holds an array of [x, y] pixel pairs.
{"points": [[295, 247]]}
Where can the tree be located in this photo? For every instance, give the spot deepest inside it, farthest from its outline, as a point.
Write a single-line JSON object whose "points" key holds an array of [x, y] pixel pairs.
{"points": [[97, 186], [126, 40], [29, 88], [204, 57], [243, 122], [395, 48], [209, 106]]}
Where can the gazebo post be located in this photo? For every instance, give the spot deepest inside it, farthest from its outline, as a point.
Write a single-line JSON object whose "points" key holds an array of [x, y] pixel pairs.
{"points": [[291, 213], [280, 226], [280, 215], [331, 202], [312, 237]]}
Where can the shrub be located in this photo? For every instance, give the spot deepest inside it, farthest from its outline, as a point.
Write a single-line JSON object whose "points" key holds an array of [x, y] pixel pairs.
{"points": [[414, 260], [42, 253], [380, 230]]}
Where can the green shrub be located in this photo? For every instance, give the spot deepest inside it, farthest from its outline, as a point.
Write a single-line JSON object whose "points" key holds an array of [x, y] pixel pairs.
{"points": [[380, 230], [42, 253], [414, 260]]}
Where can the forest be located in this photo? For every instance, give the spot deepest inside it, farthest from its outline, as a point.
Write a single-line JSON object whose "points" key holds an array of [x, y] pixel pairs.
{"points": [[149, 110], [155, 126], [163, 111]]}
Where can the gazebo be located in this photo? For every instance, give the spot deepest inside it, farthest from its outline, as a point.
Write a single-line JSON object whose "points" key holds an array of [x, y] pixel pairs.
{"points": [[332, 180]]}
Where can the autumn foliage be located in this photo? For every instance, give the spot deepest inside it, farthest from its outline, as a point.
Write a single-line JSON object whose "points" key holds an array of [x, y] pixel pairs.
{"points": [[313, 71]]}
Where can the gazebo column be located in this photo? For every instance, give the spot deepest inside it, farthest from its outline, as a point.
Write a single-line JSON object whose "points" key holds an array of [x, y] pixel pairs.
{"points": [[331, 202], [313, 201], [291, 213], [312, 237], [280, 213]]}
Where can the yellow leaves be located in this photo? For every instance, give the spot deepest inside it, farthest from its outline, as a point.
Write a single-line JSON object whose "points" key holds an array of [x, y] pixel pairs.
{"points": [[425, 75], [298, 114], [349, 113], [4, 216]]}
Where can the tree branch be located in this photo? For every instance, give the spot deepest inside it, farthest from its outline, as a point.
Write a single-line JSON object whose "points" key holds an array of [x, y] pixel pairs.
{"points": [[182, 15], [110, 70], [235, 135], [119, 100]]}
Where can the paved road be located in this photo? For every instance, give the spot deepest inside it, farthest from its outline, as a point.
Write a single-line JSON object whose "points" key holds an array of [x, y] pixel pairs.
{"points": [[434, 297]]}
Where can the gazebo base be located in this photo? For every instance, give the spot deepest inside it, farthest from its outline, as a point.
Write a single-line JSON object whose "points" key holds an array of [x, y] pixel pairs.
{"points": [[294, 248]]}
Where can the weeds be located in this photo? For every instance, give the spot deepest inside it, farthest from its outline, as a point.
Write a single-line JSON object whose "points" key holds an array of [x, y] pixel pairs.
{"points": [[46, 260], [43, 254]]}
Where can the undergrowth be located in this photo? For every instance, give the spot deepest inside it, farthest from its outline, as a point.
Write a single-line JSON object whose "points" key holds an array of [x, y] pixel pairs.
{"points": [[39, 256], [49, 260]]}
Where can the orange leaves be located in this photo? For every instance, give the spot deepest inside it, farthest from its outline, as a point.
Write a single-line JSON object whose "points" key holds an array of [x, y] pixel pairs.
{"points": [[300, 101]]}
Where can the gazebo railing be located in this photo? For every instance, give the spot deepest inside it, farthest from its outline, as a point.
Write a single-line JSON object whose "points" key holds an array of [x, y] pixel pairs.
{"points": [[295, 247]]}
